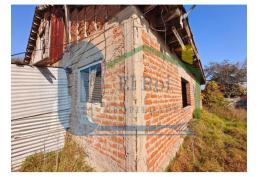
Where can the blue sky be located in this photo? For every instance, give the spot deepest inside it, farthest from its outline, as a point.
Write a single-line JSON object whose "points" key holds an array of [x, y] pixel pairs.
{"points": [[22, 16], [220, 32]]}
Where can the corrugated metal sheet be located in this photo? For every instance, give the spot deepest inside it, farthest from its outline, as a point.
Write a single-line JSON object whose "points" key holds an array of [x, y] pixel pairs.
{"points": [[40, 110]]}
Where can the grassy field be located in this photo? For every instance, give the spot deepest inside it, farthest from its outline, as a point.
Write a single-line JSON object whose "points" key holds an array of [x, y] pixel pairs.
{"points": [[69, 159], [219, 142]]}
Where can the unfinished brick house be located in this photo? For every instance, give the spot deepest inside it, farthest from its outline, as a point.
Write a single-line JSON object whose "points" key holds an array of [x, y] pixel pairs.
{"points": [[128, 68]]}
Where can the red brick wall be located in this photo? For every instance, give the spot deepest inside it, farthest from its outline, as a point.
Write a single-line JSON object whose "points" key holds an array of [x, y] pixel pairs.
{"points": [[163, 107], [105, 150], [89, 20]]}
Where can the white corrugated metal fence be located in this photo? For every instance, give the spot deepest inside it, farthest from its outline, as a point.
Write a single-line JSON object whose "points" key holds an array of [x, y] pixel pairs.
{"points": [[40, 110]]}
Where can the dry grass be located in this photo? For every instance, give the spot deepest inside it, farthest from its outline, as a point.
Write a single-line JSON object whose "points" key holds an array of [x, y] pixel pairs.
{"points": [[219, 143], [69, 159], [229, 113]]}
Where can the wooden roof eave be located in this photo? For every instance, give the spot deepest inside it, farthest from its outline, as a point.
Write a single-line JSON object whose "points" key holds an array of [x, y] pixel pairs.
{"points": [[190, 35], [172, 18], [34, 31]]}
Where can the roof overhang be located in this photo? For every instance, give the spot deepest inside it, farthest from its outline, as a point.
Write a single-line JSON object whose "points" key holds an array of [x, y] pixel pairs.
{"points": [[178, 32], [171, 20]]}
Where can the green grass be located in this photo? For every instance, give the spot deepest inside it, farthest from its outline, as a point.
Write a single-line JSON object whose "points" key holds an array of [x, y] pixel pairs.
{"points": [[69, 159], [219, 142]]}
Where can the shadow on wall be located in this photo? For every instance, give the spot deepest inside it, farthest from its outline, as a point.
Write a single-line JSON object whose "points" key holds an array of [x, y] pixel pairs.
{"points": [[75, 59], [47, 74], [80, 60]]}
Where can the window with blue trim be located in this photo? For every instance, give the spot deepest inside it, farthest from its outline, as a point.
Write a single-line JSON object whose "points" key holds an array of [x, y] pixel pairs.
{"points": [[91, 84]]}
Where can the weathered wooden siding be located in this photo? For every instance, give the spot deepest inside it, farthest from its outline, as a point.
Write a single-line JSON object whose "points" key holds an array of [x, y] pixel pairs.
{"points": [[40, 109], [57, 35]]}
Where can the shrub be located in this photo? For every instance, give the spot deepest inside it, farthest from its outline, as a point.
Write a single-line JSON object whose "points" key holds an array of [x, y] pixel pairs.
{"points": [[212, 95], [70, 159]]}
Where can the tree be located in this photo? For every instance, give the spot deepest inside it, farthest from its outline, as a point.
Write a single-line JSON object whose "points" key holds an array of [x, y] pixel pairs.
{"points": [[212, 95], [231, 77]]}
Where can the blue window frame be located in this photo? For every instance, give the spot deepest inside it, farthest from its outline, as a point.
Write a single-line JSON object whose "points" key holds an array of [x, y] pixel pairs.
{"points": [[90, 83]]}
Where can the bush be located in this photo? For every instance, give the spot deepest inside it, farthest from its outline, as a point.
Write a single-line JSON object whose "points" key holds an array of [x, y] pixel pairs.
{"points": [[212, 95], [69, 159]]}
